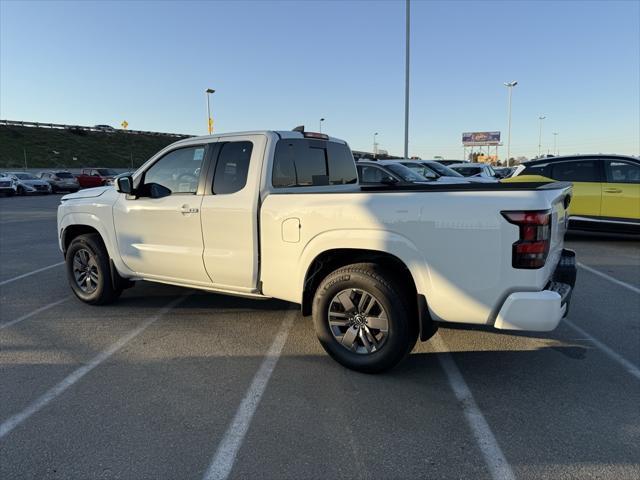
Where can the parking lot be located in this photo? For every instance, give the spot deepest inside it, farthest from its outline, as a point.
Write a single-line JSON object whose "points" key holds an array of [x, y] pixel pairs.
{"points": [[170, 383]]}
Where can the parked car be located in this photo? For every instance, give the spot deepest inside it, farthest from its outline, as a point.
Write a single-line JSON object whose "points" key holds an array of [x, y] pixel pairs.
{"points": [[7, 185], [282, 215], [28, 183], [105, 128], [61, 181], [96, 177], [476, 170], [441, 171], [606, 188], [448, 163], [398, 171]]}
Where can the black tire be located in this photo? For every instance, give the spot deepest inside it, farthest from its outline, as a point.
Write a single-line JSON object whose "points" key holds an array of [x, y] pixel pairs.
{"points": [[402, 330], [103, 292], [21, 191]]}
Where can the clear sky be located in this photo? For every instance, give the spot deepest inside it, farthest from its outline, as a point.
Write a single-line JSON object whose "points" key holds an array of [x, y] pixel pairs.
{"points": [[276, 65]]}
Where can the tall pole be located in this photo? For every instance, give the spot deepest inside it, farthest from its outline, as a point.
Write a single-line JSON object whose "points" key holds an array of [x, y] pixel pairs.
{"points": [[406, 82], [375, 145], [510, 86], [209, 91], [555, 144], [24, 151], [541, 118], [321, 120]]}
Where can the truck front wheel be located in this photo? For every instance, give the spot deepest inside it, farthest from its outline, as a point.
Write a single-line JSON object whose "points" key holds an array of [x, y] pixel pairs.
{"points": [[88, 270], [361, 320]]}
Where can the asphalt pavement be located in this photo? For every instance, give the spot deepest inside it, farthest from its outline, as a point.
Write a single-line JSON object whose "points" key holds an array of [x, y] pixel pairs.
{"points": [[170, 383]]}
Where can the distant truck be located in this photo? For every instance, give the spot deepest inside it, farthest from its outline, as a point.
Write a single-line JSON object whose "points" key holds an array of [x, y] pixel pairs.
{"points": [[95, 177], [282, 215]]}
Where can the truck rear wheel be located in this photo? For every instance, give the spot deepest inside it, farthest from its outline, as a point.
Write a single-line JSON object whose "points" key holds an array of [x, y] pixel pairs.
{"points": [[361, 320], [88, 270]]}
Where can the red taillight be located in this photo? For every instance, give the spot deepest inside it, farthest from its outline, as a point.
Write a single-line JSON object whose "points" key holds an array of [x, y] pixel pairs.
{"points": [[535, 237]]}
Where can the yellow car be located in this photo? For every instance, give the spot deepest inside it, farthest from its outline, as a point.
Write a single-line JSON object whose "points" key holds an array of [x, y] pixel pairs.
{"points": [[606, 188]]}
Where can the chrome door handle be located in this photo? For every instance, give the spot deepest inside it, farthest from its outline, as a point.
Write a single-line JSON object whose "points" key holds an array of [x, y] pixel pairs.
{"points": [[612, 190], [186, 209]]}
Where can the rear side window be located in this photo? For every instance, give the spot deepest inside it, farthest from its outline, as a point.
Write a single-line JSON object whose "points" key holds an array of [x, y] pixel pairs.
{"points": [[64, 175], [232, 167], [305, 162], [622, 172], [577, 171]]}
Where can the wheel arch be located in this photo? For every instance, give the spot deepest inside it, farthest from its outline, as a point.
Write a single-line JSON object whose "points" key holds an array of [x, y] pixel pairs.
{"points": [[330, 260]]}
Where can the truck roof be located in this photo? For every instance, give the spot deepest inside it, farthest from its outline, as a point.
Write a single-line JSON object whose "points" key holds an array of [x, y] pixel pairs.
{"points": [[279, 133]]}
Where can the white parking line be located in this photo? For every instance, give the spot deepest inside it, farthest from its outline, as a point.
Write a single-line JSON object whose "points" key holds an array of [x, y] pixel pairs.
{"points": [[610, 278], [4, 282], [35, 312], [12, 422], [222, 462], [491, 451], [626, 364]]}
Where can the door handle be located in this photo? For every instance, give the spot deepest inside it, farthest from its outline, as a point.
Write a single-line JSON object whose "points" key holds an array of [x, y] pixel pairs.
{"points": [[612, 190], [186, 209]]}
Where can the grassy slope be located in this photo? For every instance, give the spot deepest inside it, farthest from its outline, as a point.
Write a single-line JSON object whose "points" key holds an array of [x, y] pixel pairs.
{"points": [[92, 149]]}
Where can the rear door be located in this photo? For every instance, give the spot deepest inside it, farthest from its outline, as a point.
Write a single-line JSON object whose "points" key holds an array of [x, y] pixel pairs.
{"points": [[621, 192], [586, 176], [230, 212]]}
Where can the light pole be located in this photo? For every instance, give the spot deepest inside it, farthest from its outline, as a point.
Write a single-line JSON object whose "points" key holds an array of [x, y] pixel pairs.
{"points": [[541, 118], [406, 81], [555, 144], [208, 92], [375, 145], [510, 86], [321, 120]]}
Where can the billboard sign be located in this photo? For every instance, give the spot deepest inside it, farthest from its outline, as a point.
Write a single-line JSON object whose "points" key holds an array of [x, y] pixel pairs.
{"points": [[480, 138]]}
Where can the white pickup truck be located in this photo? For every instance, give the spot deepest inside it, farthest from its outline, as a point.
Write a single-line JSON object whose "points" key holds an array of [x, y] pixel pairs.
{"points": [[275, 214]]}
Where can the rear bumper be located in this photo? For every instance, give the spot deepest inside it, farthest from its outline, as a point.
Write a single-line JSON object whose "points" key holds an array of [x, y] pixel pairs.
{"points": [[541, 311]]}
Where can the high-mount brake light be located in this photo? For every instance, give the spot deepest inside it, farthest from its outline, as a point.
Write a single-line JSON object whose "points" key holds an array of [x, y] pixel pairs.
{"points": [[531, 250], [320, 136]]}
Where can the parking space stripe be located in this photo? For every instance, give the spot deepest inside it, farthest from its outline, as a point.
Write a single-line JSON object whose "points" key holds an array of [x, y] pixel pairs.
{"points": [[491, 451], [610, 278], [12, 422], [626, 364], [222, 463], [35, 312], [4, 282]]}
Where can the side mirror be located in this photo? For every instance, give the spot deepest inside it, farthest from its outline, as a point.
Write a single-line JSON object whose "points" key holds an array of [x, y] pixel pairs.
{"points": [[157, 191], [388, 180], [429, 175], [125, 184]]}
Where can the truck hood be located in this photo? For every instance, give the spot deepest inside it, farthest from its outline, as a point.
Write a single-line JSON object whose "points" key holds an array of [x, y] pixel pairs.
{"points": [[87, 193]]}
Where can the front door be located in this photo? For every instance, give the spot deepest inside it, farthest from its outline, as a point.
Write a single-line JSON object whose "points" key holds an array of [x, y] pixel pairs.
{"points": [[162, 237], [621, 192], [586, 176]]}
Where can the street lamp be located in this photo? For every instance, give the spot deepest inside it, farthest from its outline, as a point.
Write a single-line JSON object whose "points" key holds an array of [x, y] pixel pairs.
{"points": [[510, 86], [375, 145], [208, 92], [406, 77], [541, 118], [555, 144], [321, 120]]}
